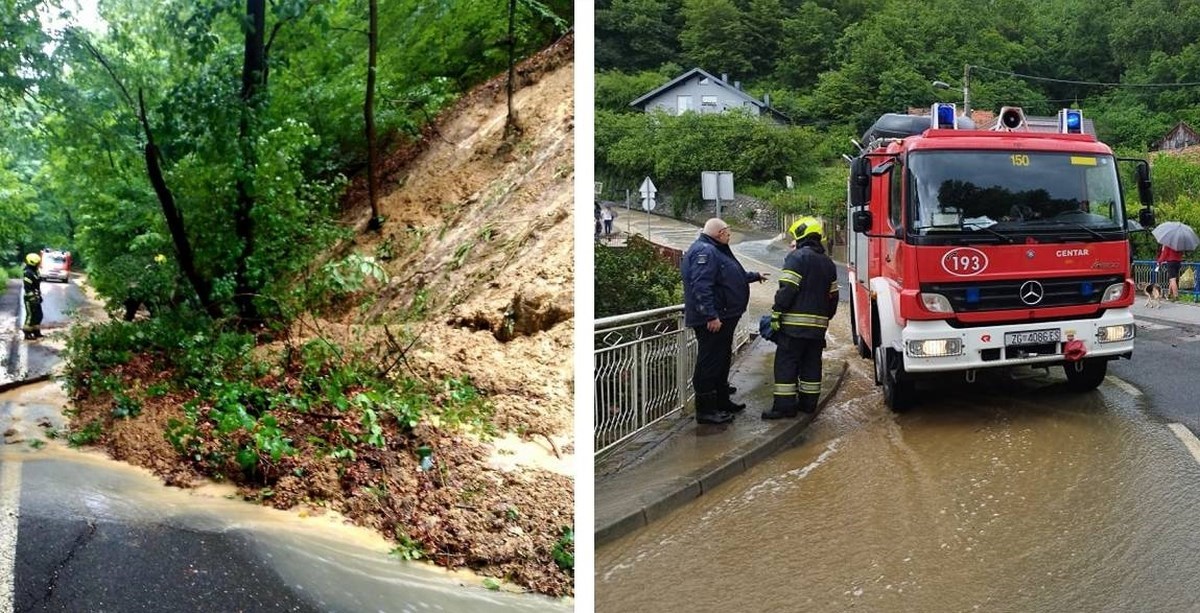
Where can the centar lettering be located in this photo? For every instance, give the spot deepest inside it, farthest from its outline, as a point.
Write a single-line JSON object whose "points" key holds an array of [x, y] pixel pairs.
{"points": [[1070, 253]]}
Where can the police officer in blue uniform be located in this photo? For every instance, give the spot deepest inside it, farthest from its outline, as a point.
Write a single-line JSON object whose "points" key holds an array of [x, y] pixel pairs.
{"points": [[806, 300], [716, 292]]}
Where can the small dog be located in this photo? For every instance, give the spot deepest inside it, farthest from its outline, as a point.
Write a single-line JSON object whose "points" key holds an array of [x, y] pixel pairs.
{"points": [[1153, 296]]}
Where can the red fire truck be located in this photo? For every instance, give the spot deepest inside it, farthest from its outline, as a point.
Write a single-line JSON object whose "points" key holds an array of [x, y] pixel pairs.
{"points": [[984, 248]]}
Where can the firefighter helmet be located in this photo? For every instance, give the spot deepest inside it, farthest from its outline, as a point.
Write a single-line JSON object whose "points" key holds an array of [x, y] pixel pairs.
{"points": [[806, 226], [33, 259]]}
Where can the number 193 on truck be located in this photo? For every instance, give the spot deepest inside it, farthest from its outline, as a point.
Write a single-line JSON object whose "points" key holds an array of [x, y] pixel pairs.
{"points": [[986, 248]]}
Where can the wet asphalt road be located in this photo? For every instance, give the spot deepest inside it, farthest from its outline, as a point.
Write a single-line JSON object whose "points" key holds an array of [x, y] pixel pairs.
{"points": [[1010, 494], [79, 532]]}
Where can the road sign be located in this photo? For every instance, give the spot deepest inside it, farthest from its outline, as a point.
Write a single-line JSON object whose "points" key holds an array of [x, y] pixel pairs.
{"points": [[647, 190], [716, 185]]}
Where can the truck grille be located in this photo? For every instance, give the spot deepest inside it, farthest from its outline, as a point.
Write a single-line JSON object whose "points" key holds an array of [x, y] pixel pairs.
{"points": [[1004, 295]]}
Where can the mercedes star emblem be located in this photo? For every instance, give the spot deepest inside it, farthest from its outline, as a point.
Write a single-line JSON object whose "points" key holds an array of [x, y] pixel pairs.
{"points": [[1032, 292]]}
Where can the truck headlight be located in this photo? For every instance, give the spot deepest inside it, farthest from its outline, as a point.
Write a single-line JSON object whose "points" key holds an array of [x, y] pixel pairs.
{"points": [[1116, 291], [1112, 334], [936, 303], [935, 348]]}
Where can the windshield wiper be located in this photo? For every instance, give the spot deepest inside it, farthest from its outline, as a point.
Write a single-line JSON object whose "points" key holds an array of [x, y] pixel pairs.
{"points": [[1077, 225], [1003, 237]]}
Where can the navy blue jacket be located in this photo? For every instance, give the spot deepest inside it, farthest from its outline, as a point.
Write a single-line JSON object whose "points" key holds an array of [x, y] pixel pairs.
{"points": [[807, 297], [715, 286]]}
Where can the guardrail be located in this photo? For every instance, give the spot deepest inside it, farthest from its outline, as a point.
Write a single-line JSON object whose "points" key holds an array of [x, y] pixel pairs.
{"points": [[644, 364], [1143, 274]]}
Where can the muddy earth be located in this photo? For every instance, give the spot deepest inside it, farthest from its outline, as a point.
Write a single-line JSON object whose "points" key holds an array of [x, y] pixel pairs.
{"points": [[478, 252]]}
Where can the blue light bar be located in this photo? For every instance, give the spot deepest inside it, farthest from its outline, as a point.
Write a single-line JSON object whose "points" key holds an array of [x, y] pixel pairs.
{"points": [[1070, 121], [943, 116]]}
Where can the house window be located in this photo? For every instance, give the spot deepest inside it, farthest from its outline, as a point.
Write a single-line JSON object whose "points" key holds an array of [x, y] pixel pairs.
{"points": [[704, 81], [683, 104], [708, 104]]}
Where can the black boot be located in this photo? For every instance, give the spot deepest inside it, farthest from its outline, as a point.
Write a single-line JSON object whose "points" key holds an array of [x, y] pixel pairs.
{"points": [[781, 411], [708, 409], [729, 406]]}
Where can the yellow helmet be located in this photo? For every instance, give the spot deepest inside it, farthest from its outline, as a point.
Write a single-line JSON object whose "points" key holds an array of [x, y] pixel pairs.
{"points": [[33, 259], [806, 226]]}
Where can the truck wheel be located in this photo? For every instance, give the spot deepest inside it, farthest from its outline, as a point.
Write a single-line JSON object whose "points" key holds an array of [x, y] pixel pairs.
{"points": [[898, 391], [859, 343], [1086, 374]]}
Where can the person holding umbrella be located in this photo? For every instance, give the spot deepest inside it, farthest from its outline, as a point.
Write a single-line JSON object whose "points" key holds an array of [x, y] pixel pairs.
{"points": [[1175, 238]]}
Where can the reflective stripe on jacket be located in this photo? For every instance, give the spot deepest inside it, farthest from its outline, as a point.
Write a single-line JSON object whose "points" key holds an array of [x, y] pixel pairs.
{"points": [[807, 297]]}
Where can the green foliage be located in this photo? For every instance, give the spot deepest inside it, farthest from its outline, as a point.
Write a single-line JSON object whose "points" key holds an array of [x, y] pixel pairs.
{"points": [[674, 150], [464, 406], [86, 436], [634, 278], [564, 549], [406, 547]]}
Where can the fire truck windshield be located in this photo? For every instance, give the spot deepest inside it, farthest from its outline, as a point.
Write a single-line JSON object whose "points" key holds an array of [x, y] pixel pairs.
{"points": [[991, 193]]}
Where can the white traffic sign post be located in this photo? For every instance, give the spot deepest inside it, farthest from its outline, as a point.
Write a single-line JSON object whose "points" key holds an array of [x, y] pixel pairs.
{"points": [[716, 185], [647, 190]]}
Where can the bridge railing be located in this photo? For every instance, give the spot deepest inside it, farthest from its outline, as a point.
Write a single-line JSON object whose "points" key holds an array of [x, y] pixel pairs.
{"points": [[644, 364], [1189, 272], [643, 371]]}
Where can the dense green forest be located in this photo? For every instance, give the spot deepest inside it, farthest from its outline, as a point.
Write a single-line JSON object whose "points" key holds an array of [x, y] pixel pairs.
{"points": [[833, 66], [218, 161]]}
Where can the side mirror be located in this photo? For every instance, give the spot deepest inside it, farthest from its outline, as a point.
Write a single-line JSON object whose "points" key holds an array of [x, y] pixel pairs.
{"points": [[862, 221], [1143, 185], [1146, 217], [860, 182]]}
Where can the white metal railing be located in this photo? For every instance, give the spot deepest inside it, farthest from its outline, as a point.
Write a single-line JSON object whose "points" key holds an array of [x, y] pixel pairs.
{"points": [[644, 364]]}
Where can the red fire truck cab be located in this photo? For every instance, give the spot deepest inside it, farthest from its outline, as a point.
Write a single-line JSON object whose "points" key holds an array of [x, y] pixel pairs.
{"points": [[989, 248]]}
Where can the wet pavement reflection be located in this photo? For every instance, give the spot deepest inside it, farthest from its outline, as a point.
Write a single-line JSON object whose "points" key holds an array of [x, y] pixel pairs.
{"points": [[1009, 495]]}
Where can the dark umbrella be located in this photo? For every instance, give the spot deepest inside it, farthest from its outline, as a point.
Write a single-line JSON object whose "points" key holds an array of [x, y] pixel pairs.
{"points": [[1176, 235]]}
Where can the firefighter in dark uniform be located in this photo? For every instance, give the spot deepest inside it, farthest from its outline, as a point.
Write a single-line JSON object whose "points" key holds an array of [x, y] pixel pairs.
{"points": [[806, 300], [33, 298]]}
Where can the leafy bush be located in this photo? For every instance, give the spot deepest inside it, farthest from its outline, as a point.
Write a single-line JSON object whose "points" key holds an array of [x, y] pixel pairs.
{"points": [[634, 278]]}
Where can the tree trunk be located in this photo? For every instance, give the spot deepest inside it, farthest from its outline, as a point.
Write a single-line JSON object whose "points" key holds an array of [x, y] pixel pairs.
{"points": [[510, 123], [369, 115], [187, 261], [253, 71]]}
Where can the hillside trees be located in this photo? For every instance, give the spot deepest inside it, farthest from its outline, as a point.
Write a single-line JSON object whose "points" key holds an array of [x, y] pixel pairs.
{"points": [[246, 115], [676, 149]]}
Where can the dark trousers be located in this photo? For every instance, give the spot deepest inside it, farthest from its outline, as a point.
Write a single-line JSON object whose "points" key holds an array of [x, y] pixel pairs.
{"points": [[714, 352], [33, 315], [797, 373]]}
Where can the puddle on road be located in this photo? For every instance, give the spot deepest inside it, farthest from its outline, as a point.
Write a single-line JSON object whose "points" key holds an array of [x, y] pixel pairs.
{"points": [[1012, 495]]}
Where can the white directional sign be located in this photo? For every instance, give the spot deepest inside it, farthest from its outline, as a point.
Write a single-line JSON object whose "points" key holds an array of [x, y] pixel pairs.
{"points": [[647, 190]]}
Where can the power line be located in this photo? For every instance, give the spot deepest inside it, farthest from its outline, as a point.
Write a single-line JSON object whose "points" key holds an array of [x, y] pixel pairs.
{"points": [[1070, 82]]}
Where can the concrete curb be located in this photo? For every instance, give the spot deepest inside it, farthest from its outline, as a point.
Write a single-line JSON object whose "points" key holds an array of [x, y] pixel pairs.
{"points": [[687, 488]]}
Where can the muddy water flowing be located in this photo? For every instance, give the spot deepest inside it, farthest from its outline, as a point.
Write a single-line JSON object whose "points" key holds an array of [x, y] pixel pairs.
{"points": [[1010, 495]]}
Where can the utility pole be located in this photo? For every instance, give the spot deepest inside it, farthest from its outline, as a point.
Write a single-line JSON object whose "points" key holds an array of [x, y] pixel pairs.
{"points": [[967, 91]]}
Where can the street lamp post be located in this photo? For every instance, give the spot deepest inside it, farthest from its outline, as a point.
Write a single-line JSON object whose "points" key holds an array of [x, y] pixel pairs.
{"points": [[966, 87]]}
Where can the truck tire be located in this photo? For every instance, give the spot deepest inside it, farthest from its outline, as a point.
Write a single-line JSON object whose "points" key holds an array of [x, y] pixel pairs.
{"points": [[899, 392], [859, 343], [1086, 374]]}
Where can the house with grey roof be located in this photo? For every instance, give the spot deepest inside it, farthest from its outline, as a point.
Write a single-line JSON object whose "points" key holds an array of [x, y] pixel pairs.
{"points": [[700, 92]]}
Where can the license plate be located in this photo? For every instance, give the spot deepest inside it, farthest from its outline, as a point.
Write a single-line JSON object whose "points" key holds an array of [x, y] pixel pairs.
{"points": [[1032, 337]]}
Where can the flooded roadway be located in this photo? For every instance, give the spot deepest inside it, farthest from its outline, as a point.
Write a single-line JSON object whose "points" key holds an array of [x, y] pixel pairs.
{"points": [[1009, 495]]}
